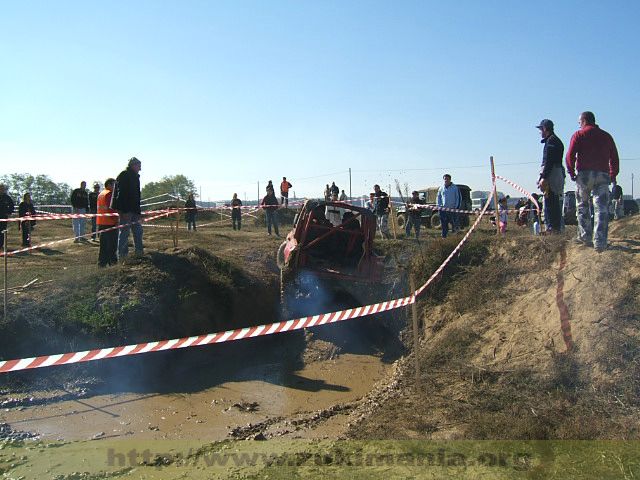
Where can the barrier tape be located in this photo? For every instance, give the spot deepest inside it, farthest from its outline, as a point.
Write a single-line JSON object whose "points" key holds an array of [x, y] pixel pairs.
{"points": [[67, 216], [55, 242], [521, 190], [230, 335]]}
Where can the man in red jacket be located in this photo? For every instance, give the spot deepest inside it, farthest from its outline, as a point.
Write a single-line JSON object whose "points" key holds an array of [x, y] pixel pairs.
{"points": [[593, 163]]}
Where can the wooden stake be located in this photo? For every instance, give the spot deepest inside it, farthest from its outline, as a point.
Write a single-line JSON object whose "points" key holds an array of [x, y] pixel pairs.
{"points": [[495, 195], [393, 216]]}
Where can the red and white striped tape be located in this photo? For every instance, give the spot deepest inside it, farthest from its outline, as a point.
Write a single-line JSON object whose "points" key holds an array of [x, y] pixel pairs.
{"points": [[230, 335], [521, 190], [55, 242], [67, 216]]}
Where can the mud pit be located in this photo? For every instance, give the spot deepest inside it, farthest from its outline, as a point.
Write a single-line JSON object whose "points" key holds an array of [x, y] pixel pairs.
{"points": [[277, 386]]}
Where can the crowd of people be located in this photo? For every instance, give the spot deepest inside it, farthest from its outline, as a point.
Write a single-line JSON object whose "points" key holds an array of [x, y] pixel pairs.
{"points": [[591, 161]]}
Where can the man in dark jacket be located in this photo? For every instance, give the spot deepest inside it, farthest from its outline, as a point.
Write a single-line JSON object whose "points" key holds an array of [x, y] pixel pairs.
{"points": [[6, 208], [126, 200], [80, 204], [551, 180], [93, 208], [270, 204]]}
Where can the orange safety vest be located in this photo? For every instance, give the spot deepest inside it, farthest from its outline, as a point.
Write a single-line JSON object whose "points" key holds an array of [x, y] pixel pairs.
{"points": [[284, 187], [104, 200]]}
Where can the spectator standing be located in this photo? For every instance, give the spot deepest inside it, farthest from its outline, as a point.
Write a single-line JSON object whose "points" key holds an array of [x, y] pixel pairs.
{"points": [[284, 192], [551, 179], [26, 209], [236, 212], [343, 196], [371, 203], [593, 163], [192, 211], [269, 186], [80, 205], [334, 190], [93, 209], [414, 215], [6, 208], [503, 215], [381, 209], [448, 197], [618, 201], [106, 226], [327, 193], [534, 214], [270, 204], [126, 200]]}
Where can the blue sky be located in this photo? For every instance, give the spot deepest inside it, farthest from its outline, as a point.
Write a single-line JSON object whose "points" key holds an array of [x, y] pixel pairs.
{"points": [[232, 93]]}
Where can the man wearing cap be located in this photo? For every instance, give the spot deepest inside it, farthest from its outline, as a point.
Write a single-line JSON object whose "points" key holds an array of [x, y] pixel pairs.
{"points": [[414, 214], [551, 179], [93, 209], [126, 200], [593, 163]]}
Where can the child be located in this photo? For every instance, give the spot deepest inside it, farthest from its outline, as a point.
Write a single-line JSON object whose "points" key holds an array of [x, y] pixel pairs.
{"points": [[534, 214], [503, 214]]}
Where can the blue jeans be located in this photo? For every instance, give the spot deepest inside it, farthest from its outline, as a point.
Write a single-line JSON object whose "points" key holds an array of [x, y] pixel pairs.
{"points": [[123, 234], [445, 219], [591, 183], [78, 223]]}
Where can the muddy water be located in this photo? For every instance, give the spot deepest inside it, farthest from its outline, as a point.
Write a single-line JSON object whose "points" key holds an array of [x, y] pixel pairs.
{"points": [[252, 394]]}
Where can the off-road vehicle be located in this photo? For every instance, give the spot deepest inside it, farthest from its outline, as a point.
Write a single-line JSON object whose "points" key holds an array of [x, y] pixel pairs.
{"points": [[327, 261]]}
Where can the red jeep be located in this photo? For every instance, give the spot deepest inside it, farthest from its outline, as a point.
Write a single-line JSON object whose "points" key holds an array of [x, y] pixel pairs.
{"points": [[327, 261]]}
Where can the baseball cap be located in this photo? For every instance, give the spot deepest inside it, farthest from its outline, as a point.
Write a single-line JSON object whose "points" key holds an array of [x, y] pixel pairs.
{"points": [[546, 123]]}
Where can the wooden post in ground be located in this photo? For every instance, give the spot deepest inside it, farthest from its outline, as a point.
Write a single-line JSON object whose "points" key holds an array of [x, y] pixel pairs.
{"points": [[393, 216], [495, 195], [416, 333], [6, 230]]}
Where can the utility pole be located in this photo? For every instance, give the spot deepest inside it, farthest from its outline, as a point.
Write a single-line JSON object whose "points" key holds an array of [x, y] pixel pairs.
{"points": [[350, 197], [258, 192], [632, 197]]}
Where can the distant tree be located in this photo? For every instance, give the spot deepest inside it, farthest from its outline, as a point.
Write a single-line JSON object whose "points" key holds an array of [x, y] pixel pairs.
{"points": [[43, 190], [178, 185]]}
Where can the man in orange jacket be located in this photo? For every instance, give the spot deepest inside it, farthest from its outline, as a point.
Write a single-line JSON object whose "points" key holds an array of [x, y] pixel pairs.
{"points": [[108, 239], [284, 192]]}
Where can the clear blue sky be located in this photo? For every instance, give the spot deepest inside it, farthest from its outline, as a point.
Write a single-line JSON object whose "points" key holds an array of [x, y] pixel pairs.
{"points": [[232, 93]]}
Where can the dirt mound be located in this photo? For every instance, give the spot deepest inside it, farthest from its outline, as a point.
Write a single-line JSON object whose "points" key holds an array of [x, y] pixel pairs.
{"points": [[542, 340]]}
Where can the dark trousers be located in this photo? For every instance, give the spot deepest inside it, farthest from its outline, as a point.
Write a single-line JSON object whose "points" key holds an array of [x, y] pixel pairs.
{"points": [[108, 246], [25, 227], [94, 228], [415, 222], [552, 211], [236, 218], [191, 221], [3, 227], [445, 219], [272, 219]]}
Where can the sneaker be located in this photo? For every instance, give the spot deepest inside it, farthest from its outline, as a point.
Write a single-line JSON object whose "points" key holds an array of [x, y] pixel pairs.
{"points": [[601, 249]]}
